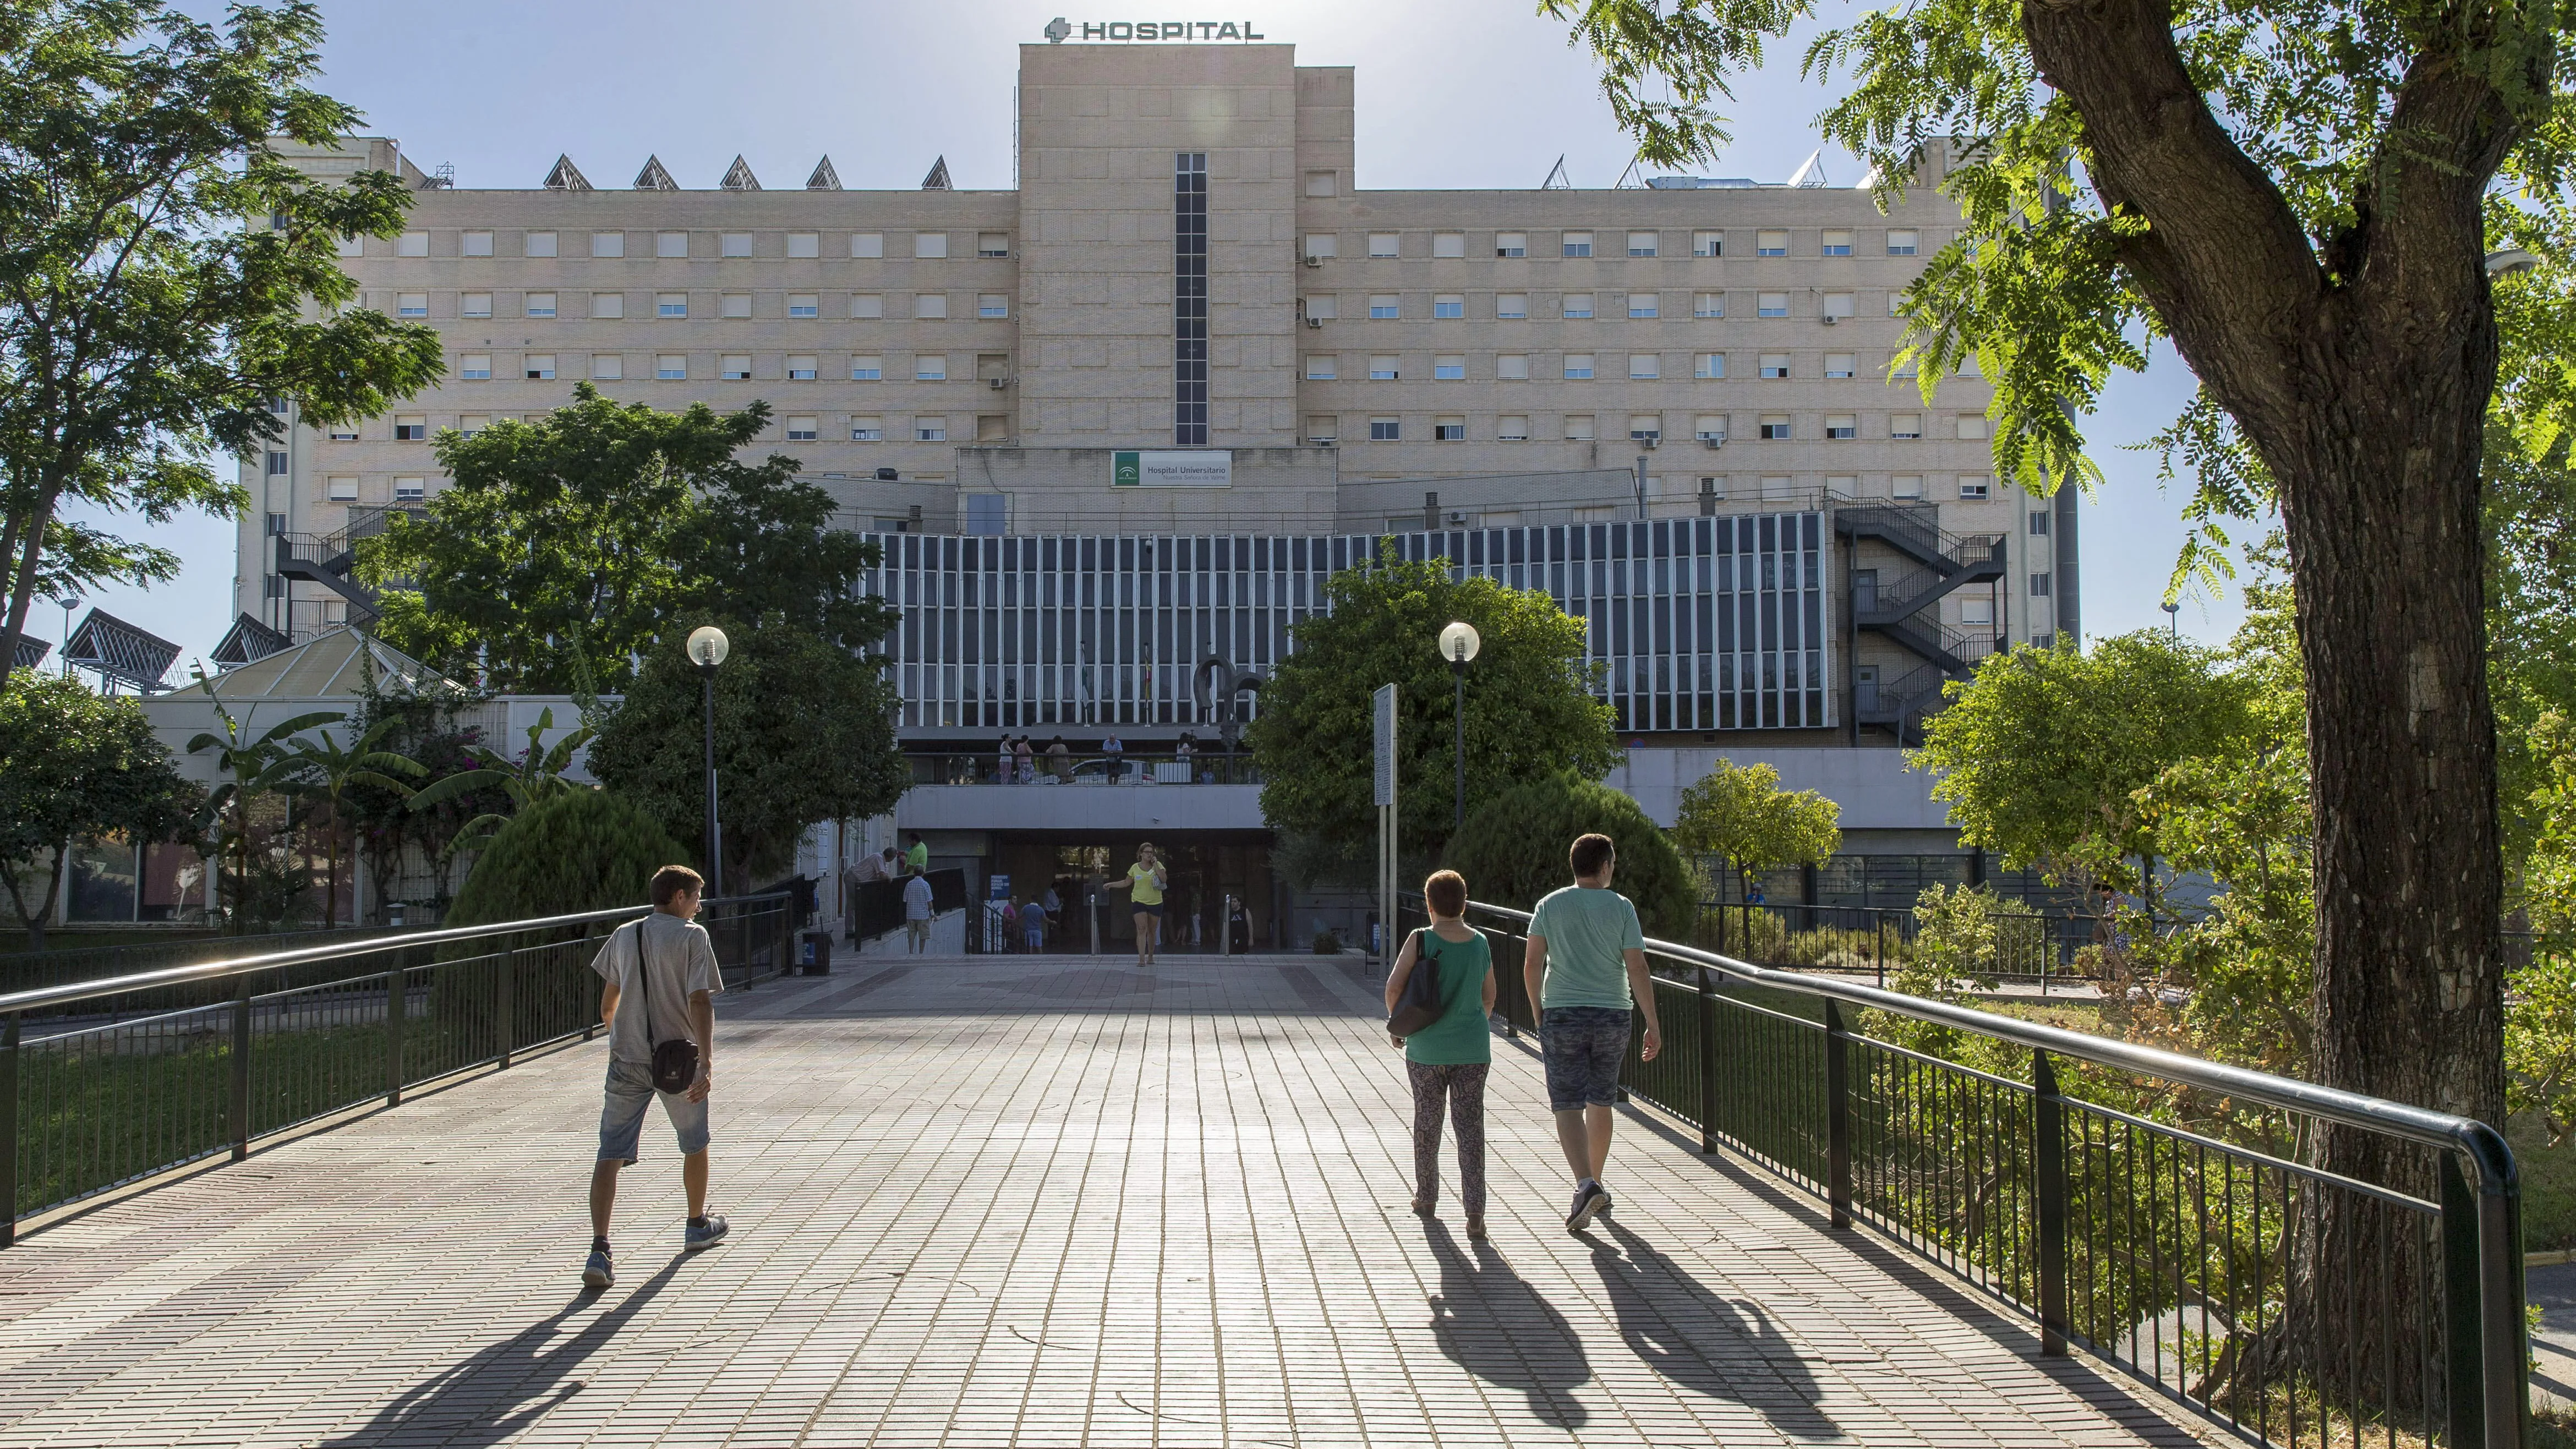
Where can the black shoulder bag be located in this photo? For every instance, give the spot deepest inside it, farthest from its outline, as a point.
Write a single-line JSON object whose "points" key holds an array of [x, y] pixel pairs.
{"points": [[1419, 1005], [675, 1062]]}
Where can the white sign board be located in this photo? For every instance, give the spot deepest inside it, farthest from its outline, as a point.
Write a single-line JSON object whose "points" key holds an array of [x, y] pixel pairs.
{"points": [[1172, 468], [1382, 720]]}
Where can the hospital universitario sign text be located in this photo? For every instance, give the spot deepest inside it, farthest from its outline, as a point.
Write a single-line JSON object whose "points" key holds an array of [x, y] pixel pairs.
{"points": [[1060, 30]]}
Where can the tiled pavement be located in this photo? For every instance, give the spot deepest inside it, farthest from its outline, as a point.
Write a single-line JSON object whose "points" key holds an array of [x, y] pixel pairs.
{"points": [[1028, 1202]]}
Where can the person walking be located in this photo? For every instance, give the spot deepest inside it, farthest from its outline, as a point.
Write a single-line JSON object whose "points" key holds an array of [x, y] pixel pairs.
{"points": [[1146, 881], [1033, 926], [661, 984], [1448, 1060], [1586, 969], [917, 914]]}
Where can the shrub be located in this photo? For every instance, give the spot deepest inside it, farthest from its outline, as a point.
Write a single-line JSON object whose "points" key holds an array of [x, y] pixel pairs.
{"points": [[590, 850], [1512, 850]]}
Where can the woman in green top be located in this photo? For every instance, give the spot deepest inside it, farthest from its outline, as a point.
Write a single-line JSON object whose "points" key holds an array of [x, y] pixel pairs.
{"points": [[1148, 878], [1449, 1058]]}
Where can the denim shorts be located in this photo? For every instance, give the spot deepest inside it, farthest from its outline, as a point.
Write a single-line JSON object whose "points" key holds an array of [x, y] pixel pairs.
{"points": [[621, 1117], [1583, 1047]]}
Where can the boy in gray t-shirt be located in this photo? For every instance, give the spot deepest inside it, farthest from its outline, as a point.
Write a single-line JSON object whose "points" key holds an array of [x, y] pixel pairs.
{"points": [[1586, 968]]}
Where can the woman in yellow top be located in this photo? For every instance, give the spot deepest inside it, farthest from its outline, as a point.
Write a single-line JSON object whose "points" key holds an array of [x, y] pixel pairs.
{"points": [[1148, 879]]}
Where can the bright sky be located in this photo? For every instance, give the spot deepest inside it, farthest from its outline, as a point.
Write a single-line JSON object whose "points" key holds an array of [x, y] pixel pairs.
{"points": [[1452, 93]]}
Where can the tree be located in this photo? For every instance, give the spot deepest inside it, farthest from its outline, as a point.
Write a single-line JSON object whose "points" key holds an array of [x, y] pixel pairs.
{"points": [[1530, 709], [76, 766], [565, 544], [328, 771], [580, 850], [143, 325], [2041, 754], [537, 775], [804, 733], [1739, 814], [1513, 850], [258, 766]]}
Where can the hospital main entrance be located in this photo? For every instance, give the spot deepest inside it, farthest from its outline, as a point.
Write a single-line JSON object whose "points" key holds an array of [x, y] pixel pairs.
{"points": [[1215, 877]]}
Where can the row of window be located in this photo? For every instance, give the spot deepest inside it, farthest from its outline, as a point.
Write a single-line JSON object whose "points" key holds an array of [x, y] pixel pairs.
{"points": [[1829, 242], [865, 245], [729, 367], [1325, 428], [673, 306], [1585, 366], [1584, 306]]}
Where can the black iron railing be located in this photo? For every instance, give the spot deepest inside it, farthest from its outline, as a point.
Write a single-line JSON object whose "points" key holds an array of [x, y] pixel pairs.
{"points": [[108, 1081], [2165, 1214], [2034, 947]]}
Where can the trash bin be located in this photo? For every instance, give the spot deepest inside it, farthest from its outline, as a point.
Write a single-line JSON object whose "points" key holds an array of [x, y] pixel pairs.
{"points": [[814, 952]]}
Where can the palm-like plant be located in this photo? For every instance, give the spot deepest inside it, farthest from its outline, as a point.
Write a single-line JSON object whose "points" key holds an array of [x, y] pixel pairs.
{"points": [[538, 774], [328, 770], [254, 765]]}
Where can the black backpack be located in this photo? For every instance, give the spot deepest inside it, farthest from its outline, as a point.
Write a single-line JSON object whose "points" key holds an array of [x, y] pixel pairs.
{"points": [[1420, 1003]]}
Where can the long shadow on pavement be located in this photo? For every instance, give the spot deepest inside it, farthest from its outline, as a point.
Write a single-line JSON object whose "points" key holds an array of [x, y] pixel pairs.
{"points": [[507, 1387], [1498, 1328], [1702, 1340]]}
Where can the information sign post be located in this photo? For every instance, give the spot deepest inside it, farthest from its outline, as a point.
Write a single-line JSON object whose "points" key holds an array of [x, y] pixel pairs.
{"points": [[1382, 720]]}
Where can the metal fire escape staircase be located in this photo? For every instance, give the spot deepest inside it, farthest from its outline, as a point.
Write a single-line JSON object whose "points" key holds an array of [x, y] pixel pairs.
{"points": [[1903, 610], [327, 558]]}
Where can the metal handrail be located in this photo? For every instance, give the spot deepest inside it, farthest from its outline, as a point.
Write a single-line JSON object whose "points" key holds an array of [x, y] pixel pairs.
{"points": [[2501, 1336], [45, 996]]}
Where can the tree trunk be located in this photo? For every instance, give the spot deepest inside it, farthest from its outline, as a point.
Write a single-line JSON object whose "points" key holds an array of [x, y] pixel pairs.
{"points": [[21, 559]]}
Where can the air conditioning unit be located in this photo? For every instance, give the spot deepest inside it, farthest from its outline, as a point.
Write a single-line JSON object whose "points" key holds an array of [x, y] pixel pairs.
{"points": [[1710, 442], [1314, 321], [1313, 260], [1647, 440], [998, 383], [887, 475], [1324, 442], [1830, 319], [1457, 518]]}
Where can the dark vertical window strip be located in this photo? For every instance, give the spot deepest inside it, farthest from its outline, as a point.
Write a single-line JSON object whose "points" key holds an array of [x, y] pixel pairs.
{"points": [[1190, 300]]}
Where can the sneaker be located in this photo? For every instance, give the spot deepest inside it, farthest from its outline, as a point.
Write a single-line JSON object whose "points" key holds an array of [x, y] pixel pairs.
{"points": [[704, 1233], [1476, 1230], [598, 1273], [1601, 1195], [1587, 1205]]}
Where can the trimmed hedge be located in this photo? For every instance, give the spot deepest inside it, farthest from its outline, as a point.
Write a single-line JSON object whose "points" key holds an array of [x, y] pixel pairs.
{"points": [[1513, 850], [587, 850]]}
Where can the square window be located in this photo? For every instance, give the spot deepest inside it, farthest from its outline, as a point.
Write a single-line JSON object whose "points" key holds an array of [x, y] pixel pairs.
{"points": [[475, 244], [2039, 586], [2039, 525], [804, 304], [1839, 427], [671, 304], [1708, 244], [411, 428], [1709, 366], [804, 244], [1906, 485], [1836, 244], [1903, 243], [1448, 309], [1838, 364], [1644, 427], [1644, 306], [1578, 428], [1641, 243], [356, 246], [1775, 427], [608, 244], [538, 366], [278, 463], [992, 306], [1578, 365], [801, 430], [1449, 430], [1321, 368], [1383, 368], [607, 366], [541, 304], [1771, 244], [538, 244], [1972, 488], [1320, 183], [475, 367], [1577, 244], [1771, 304], [1709, 428], [1976, 611], [992, 244], [866, 306], [412, 244], [1838, 305], [1386, 430], [1385, 244], [737, 304], [409, 490], [867, 244], [930, 369], [800, 368], [671, 367], [1322, 244], [1972, 425], [867, 369], [342, 490], [608, 306], [1905, 425], [1385, 306], [1511, 244], [930, 306], [1511, 306], [1512, 367], [1577, 306], [930, 246], [1325, 308], [474, 304], [1321, 430], [867, 430], [1774, 364], [930, 430], [1708, 305], [1644, 367], [1512, 428], [735, 244], [472, 424], [1448, 244], [670, 244], [1449, 367], [412, 304], [734, 367]]}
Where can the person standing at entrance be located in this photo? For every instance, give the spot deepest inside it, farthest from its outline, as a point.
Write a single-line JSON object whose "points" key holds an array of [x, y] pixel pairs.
{"points": [[1033, 926], [662, 982], [1146, 880], [917, 913], [916, 857], [1447, 1060], [1586, 969]]}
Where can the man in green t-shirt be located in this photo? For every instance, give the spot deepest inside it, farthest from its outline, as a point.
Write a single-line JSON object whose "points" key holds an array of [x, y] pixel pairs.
{"points": [[1586, 969], [916, 857]]}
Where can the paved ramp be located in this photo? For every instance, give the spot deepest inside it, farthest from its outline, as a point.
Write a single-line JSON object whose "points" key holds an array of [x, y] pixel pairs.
{"points": [[1050, 1201]]}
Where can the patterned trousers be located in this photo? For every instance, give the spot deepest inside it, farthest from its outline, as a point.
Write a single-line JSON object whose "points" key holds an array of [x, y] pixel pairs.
{"points": [[1464, 1088]]}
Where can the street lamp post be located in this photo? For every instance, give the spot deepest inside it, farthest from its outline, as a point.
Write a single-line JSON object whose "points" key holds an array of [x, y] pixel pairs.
{"points": [[2173, 620], [1458, 644], [69, 603], [708, 647]]}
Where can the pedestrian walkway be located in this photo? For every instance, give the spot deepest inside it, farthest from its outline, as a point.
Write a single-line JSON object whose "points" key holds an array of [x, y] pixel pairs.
{"points": [[979, 1201]]}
